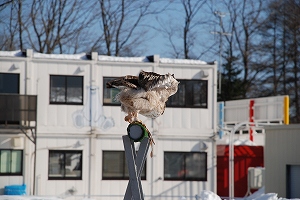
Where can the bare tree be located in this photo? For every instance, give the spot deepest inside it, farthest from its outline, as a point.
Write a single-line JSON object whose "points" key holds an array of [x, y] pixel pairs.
{"points": [[245, 19], [4, 3], [271, 49], [232, 84], [291, 24], [123, 26], [8, 34], [280, 52], [52, 25], [20, 22], [47, 26], [189, 36], [188, 29]]}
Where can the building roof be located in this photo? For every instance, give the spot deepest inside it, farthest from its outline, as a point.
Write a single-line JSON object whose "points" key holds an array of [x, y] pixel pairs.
{"points": [[83, 56]]}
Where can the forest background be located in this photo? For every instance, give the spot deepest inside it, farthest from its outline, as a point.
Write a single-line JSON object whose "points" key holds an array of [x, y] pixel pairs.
{"points": [[256, 42]]}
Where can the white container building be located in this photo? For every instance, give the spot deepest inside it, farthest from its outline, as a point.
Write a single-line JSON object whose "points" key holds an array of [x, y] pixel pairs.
{"points": [[75, 128]]}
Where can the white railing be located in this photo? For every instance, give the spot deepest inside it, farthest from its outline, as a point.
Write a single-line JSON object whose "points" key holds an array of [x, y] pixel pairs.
{"points": [[273, 110]]}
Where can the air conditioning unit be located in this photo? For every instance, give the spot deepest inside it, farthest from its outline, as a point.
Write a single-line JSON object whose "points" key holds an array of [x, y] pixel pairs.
{"points": [[256, 177]]}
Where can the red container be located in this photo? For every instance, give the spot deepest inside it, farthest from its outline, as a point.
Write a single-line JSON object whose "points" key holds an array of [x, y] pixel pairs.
{"points": [[244, 157]]}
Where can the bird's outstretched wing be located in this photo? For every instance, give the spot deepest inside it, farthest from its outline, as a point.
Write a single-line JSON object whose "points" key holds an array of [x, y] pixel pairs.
{"points": [[124, 82], [150, 80]]}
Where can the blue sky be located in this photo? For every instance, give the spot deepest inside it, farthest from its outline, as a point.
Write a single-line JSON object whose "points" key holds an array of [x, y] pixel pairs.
{"points": [[174, 16]]}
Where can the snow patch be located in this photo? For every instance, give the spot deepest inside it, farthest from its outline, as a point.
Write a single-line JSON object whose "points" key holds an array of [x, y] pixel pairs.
{"points": [[181, 61], [258, 195], [10, 53], [81, 56], [208, 195], [122, 59]]}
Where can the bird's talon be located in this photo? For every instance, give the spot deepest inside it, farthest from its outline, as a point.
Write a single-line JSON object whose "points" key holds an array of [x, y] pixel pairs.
{"points": [[128, 119]]}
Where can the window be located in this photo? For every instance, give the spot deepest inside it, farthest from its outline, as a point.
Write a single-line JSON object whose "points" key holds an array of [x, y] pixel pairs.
{"points": [[109, 94], [9, 83], [115, 166], [66, 89], [188, 166], [65, 165], [11, 162], [190, 94], [9, 104]]}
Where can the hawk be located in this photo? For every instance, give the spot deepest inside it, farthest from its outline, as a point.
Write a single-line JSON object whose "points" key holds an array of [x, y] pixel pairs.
{"points": [[145, 94]]}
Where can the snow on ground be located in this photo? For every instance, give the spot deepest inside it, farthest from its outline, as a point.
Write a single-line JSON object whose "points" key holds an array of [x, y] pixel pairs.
{"points": [[258, 195]]}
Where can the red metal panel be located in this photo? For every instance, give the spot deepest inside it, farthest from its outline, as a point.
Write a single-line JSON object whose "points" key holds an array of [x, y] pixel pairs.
{"points": [[244, 157], [251, 118]]}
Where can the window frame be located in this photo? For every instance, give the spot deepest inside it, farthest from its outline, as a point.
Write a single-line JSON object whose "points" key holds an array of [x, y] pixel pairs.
{"points": [[64, 177], [186, 94], [124, 167], [18, 82], [184, 178], [21, 163], [66, 90]]}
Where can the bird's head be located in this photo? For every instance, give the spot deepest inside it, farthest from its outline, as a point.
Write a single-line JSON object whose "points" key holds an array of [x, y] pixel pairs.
{"points": [[173, 83]]}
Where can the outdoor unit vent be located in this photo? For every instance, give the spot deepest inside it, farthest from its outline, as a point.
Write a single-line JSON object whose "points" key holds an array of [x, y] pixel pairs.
{"points": [[256, 177], [17, 142], [204, 74]]}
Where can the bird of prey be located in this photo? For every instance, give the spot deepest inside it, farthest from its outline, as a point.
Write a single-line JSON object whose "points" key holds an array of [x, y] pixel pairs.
{"points": [[145, 94]]}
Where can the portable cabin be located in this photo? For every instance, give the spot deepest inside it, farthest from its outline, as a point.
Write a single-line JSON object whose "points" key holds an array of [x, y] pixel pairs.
{"points": [[61, 129]]}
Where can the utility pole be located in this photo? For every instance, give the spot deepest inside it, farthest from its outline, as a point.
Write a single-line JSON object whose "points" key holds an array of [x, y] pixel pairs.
{"points": [[220, 15]]}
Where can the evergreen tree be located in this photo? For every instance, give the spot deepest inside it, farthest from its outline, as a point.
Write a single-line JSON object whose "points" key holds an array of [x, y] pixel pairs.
{"points": [[232, 85]]}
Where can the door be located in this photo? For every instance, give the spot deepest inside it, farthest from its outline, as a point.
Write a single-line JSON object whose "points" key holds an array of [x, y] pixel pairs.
{"points": [[293, 181]]}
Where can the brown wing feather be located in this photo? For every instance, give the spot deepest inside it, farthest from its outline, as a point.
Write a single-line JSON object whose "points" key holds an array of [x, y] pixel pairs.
{"points": [[149, 80], [125, 81]]}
